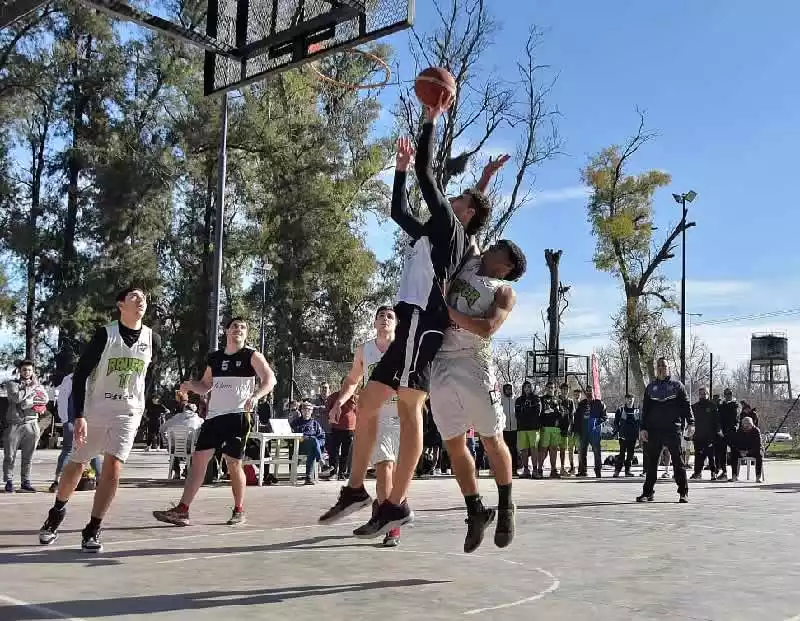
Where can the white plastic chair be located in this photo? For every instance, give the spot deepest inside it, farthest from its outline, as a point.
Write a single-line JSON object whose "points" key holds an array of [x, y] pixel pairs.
{"points": [[749, 462], [180, 445]]}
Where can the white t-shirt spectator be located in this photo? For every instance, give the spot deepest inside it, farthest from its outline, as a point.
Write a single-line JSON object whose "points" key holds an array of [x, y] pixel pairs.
{"points": [[188, 418], [64, 392]]}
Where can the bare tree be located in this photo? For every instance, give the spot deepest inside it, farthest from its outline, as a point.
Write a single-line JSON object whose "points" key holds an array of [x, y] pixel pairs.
{"points": [[484, 102], [509, 358]]}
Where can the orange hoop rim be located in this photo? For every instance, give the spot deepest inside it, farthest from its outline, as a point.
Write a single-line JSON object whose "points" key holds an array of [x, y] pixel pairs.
{"points": [[382, 66]]}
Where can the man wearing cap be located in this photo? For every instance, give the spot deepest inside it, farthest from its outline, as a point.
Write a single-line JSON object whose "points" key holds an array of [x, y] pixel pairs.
{"points": [[313, 438]]}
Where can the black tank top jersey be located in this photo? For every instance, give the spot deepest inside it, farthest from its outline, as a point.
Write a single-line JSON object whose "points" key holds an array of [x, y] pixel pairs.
{"points": [[234, 365]]}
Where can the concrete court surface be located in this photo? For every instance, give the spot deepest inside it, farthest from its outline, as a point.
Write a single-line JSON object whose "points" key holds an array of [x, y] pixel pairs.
{"points": [[584, 550]]}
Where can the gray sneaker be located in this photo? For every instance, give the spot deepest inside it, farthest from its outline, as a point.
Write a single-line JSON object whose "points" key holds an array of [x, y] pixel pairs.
{"points": [[91, 542], [237, 517]]}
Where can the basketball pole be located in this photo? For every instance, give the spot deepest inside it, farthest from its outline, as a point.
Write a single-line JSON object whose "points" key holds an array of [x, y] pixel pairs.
{"points": [[214, 319]]}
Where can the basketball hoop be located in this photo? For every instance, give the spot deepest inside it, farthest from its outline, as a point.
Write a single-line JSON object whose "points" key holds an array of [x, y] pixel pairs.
{"points": [[381, 66]]}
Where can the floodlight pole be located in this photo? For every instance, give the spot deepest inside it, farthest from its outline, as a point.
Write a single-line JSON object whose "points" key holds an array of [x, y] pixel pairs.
{"points": [[683, 291], [219, 224]]}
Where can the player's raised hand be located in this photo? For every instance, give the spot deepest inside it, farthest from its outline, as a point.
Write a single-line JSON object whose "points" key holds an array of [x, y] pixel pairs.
{"points": [[405, 153], [491, 169], [445, 101]]}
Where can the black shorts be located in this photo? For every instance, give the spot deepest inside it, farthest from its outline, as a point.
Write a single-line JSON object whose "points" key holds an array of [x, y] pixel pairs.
{"points": [[417, 339], [227, 432]]}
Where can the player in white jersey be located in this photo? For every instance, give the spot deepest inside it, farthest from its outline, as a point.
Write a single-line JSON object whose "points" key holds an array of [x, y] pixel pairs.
{"points": [[385, 454], [230, 377], [109, 388], [464, 390]]}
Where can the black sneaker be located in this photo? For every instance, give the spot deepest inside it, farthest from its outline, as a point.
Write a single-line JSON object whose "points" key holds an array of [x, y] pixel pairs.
{"points": [[386, 518], [696, 477], [53, 487], [49, 531], [683, 498], [350, 501], [505, 529], [27, 487], [90, 541], [645, 498], [477, 523]]}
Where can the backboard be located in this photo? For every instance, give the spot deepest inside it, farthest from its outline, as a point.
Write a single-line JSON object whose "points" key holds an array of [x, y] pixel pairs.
{"points": [[13, 10], [270, 36]]}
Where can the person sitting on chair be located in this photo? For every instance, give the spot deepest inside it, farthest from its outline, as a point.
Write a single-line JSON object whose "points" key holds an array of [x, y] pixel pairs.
{"points": [[187, 419], [747, 443], [313, 438]]}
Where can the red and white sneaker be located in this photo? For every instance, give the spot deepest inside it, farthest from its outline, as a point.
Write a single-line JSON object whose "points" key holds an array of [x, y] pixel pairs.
{"points": [[392, 539]]}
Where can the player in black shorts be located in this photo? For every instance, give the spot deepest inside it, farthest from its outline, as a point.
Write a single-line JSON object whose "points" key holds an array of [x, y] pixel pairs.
{"points": [[437, 249], [230, 376]]}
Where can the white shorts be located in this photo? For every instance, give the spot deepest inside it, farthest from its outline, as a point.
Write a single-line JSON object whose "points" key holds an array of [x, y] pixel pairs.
{"points": [[107, 435], [388, 440], [464, 394]]}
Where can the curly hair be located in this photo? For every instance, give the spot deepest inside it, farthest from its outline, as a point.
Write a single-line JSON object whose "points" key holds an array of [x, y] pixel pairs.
{"points": [[517, 257], [483, 211]]}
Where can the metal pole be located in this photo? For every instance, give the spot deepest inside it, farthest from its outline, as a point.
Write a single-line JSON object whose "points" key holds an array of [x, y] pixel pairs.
{"points": [[263, 305], [683, 295], [627, 375], [213, 341], [711, 374]]}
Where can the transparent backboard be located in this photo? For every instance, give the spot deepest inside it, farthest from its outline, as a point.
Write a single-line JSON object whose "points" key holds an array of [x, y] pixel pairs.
{"points": [[269, 36]]}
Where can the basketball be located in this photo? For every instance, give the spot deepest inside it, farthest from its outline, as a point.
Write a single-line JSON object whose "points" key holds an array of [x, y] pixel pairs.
{"points": [[432, 83]]}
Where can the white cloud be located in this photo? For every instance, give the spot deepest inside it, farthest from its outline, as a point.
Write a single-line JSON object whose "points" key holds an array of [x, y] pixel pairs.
{"points": [[561, 195]]}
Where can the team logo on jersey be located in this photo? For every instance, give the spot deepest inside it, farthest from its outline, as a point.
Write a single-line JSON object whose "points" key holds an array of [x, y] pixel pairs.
{"points": [[238, 363], [142, 347], [125, 368], [465, 290]]}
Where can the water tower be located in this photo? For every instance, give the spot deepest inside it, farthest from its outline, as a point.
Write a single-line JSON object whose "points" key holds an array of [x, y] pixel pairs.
{"points": [[769, 364]]}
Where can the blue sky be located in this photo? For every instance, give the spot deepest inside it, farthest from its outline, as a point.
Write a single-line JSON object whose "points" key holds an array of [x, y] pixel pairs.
{"points": [[717, 80]]}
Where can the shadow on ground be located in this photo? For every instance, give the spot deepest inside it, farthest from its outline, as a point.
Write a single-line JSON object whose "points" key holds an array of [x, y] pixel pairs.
{"points": [[154, 604]]}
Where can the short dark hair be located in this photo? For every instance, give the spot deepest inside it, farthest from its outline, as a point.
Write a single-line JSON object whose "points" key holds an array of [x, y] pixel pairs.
{"points": [[550, 383], [517, 257], [230, 321], [26, 363], [128, 290], [629, 396], [483, 211], [564, 385], [383, 308]]}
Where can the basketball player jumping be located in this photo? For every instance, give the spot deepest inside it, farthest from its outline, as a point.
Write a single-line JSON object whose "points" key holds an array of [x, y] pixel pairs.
{"points": [[464, 390], [437, 248], [109, 387], [230, 376], [367, 357]]}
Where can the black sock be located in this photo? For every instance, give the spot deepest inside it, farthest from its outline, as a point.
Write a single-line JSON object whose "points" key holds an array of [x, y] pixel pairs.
{"points": [[59, 505], [474, 504], [94, 524], [504, 496]]}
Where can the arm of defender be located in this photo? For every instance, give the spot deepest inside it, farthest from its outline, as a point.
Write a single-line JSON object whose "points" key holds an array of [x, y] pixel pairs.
{"points": [[350, 384], [490, 170], [504, 300]]}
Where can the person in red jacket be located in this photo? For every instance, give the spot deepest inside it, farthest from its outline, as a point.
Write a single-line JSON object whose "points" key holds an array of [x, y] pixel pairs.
{"points": [[341, 435]]}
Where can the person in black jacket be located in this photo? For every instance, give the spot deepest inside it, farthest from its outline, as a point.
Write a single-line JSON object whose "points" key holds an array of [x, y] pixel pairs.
{"points": [[729, 413], [706, 434], [528, 410], [747, 442], [590, 414], [626, 424], [567, 429], [665, 412]]}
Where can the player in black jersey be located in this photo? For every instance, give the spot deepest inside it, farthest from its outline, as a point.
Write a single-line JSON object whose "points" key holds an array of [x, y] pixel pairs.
{"points": [[230, 377], [436, 251]]}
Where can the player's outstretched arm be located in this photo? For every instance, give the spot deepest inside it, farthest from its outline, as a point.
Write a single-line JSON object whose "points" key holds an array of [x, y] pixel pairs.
{"points": [[442, 217], [349, 385], [504, 300], [401, 213], [490, 170]]}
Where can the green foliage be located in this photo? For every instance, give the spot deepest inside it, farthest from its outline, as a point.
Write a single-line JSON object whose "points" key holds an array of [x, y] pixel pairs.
{"points": [[127, 191]]}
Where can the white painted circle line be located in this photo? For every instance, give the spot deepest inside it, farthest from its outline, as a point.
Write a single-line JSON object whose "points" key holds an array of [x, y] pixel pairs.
{"points": [[41, 610]]}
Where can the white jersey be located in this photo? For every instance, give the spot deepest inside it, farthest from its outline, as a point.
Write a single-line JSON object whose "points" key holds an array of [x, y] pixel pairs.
{"points": [[472, 295], [370, 356], [417, 277], [116, 387]]}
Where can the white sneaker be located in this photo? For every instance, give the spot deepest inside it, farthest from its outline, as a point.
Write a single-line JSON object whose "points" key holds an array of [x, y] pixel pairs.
{"points": [[759, 479]]}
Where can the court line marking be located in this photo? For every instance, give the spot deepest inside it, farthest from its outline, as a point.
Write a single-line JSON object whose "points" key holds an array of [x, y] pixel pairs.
{"points": [[42, 610]]}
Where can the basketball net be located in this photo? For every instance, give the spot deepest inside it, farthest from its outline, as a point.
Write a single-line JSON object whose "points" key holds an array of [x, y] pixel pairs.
{"points": [[378, 64]]}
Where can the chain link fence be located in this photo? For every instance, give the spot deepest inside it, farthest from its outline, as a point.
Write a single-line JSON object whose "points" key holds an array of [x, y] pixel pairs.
{"points": [[309, 373]]}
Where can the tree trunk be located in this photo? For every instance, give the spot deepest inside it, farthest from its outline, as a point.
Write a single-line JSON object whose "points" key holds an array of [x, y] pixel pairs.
{"points": [[552, 258], [634, 346]]}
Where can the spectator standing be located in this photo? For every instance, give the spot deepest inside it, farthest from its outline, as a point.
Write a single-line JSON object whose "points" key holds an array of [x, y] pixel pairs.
{"points": [[626, 424], [27, 400], [665, 412], [156, 414], [590, 415], [566, 428], [510, 431], [729, 413], [340, 439], [528, 410], [313, 438], [189, 420], [707, 432], [550, 438], [747, 442]]}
